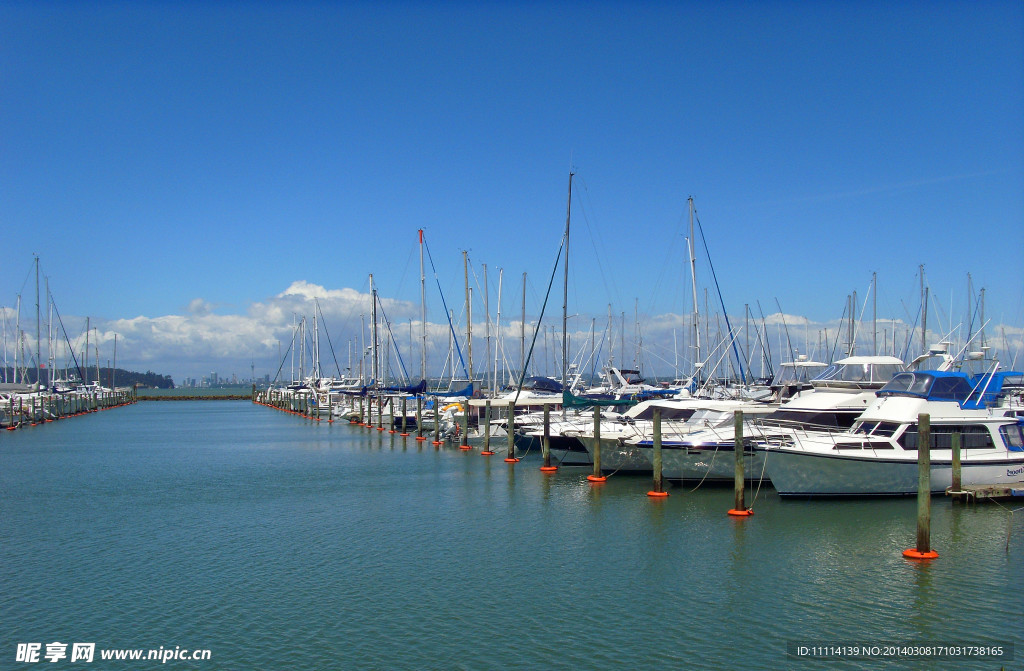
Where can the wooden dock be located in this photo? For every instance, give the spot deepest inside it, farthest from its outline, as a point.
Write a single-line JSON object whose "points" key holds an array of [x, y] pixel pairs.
{"points": [[988, 492]]}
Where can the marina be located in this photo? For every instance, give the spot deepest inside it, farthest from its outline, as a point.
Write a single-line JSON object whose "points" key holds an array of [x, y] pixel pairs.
{"points": [[475, 336], [275, 541]]}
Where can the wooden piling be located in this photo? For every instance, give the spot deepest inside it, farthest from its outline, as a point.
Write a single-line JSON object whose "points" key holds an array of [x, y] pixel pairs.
{"points": [[487, 429], [658, 491], [740, 508], [419, 418], [923, 548], [957, 485], [510, 425], [545, 442], [596, 476]]}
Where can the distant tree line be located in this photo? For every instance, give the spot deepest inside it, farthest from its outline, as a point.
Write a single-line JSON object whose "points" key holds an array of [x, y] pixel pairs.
{"points": [[107, 378]]}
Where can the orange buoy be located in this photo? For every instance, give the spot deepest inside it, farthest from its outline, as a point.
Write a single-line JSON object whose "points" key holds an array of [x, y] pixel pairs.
{"points": [[913, 553], [487, 453], [741, 513], [597, 478], [465, 447], [421, 437], [437, 442], [511, 460], [548, 469], [404, 435], [657, 495]]}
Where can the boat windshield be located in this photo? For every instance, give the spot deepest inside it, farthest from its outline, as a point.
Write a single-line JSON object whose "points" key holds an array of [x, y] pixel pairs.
{"points": [[857, 374], [927, 385], [789, 374]]}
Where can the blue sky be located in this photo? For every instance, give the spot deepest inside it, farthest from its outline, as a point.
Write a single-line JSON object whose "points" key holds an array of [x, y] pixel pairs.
{"points": [[173, 160]]}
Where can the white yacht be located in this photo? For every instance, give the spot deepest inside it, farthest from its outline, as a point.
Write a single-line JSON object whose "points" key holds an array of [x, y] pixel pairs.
{"points": [[877, 455]]}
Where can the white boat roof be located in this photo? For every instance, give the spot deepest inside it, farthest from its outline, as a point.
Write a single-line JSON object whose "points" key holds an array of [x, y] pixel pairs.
{"points": [[871, 359]]}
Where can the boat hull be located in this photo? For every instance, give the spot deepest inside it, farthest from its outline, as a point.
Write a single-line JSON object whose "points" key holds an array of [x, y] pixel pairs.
{"points": [[795, 473]]}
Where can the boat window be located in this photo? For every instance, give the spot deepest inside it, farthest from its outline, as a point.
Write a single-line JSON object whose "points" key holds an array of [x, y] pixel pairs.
{"points": [[793, 374], [972, 437], [950, 388], [1013, 436], [666, 413], [908, 383], [827, 419], [864, 427], [882, 372], [885, 429]]}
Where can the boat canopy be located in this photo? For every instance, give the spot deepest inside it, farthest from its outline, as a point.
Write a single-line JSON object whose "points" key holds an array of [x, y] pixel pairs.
{"points": [[797, 372], [975, 392], [570, 400], [931, 385], [538, 383], [859, 372]]}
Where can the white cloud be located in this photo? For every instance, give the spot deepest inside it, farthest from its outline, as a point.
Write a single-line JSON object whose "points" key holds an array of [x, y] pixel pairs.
{"points": [[200, 341]]}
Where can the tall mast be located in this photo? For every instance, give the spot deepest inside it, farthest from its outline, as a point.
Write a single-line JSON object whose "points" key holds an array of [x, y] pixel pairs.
{"points": [[423, 313], [374, 364], [565, 291], [302, 349], [522, 334], [85, 358], [498, 341], [39, 351], [362, 350], [316, 342], [51, 357], [874, 314], [924, 314], [693, 281], [469, 319], [487, 331]]}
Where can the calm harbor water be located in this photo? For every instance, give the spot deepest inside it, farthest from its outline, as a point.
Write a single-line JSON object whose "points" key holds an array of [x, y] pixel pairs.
{"points": [[278, 543]]}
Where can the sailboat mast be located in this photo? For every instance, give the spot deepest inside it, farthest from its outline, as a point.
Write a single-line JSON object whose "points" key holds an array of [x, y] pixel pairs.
{"points": [[423, 313], [565, 291], [374, 371], [924, 314], [522, 334], [874, 314], [693, 281], [487, 331], [469, 318], [498, 341], [39, 351]]}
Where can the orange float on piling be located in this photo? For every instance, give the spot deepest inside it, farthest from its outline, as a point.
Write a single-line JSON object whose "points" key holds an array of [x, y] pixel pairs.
{"points": [[487, 453], [548, 469], [511, 460], [657, 495], [741, 513], [597, 478], [913, 553]]}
